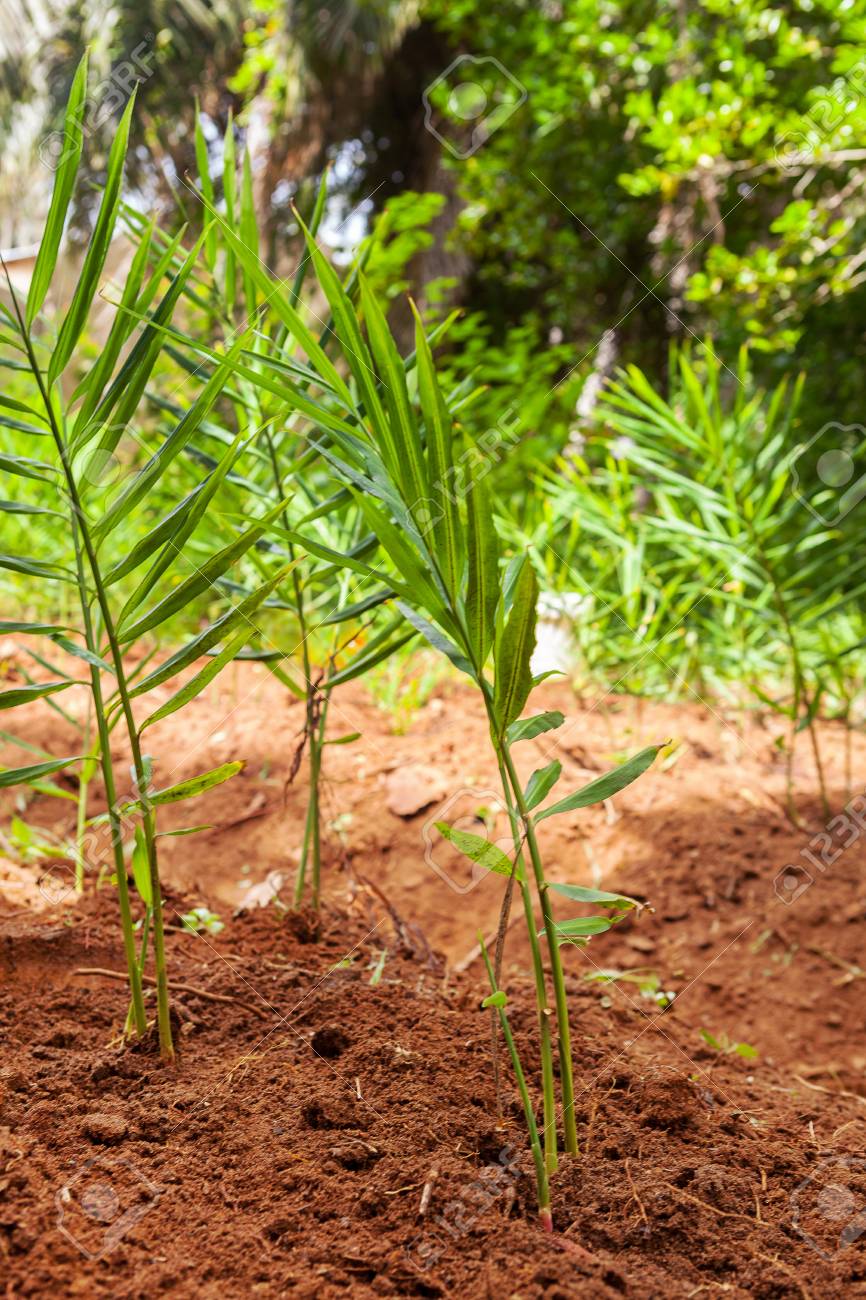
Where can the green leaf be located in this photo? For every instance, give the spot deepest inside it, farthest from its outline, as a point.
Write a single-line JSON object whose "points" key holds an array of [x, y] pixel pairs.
{"points": [[582, 894], [117, 408], [482, 587], [149, 474], [315, 221], [202, 160], [35, 568], [541, 783], [413, 474], [22, 426], [81, 652], [605, 786], [290, 318], [155, 538], [185, 830], [248, 229], [197, 785], [355, 351], [497, 999], [437, 639], [344, 740], [22, 508], [513, 680], [202, 678], [100, 373], [582, 927], [25, 467], [97, 250], [368, 658], [529, 728], [204, 577], [404, 557], [442, 507], [30, 629], [24, 694], [185, 522], [25, 775], [229, 196], [141, 867], [212, 634], [64, 184], [479, 850]]}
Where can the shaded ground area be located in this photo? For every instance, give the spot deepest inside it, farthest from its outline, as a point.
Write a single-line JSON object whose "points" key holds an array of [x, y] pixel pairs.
{"points": [[289, 1151], [724, 1150]]}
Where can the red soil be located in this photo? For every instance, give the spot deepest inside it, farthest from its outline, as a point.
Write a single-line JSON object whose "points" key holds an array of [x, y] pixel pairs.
{"points": [[311, 1114]]}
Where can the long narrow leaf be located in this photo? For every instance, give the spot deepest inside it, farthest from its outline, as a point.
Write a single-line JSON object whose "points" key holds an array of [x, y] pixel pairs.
{"points": [[64, 184], [605, 786]]}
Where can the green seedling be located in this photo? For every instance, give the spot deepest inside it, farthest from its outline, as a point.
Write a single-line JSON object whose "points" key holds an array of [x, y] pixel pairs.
{"points": [[727, 1047], [648, 983], [296, 635], [200, 920], [80, 415], [423, 496]]}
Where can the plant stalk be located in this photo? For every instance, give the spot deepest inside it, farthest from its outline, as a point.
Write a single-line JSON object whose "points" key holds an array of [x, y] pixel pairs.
{"points": [[541, 1181], [566, 1069], [544, 1015], [81, 533]]}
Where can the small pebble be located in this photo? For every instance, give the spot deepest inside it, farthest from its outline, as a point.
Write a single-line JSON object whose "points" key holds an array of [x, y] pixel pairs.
{"points": [[104, 1128]]}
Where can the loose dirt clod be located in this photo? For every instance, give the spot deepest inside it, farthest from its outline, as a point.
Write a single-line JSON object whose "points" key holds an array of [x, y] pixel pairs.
{"points": [[104, 1128]]}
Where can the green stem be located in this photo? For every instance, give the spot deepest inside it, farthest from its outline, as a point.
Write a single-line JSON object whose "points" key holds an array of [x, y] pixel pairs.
{"points": [[163, 1018], [566, 1069], [312, 825], [541, 1181], [800, 692], [166, 1046], [301, 877], [311, 851], [126, 923], [81, 533], [81, 810], [546, 1042], [142, 957], [317, 743]]}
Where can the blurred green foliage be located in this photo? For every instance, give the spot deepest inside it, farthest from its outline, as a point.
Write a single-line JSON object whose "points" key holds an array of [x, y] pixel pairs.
{"points": [[675, 169]]}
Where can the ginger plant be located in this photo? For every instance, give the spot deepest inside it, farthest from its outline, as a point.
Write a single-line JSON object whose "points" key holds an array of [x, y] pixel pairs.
{"points": [[387, 432], [84, 413]]}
